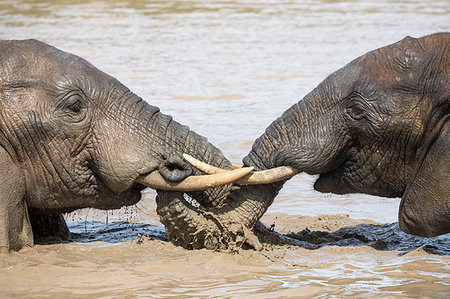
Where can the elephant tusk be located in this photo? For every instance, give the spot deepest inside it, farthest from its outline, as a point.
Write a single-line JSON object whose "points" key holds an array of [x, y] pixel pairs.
{"points": [[206, 168], [237, 165], [193, 183], [268, 176], [254, 178]]}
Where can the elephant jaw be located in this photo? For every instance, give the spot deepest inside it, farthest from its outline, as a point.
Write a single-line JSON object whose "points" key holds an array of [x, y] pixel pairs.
{"points": [[128, 197]]}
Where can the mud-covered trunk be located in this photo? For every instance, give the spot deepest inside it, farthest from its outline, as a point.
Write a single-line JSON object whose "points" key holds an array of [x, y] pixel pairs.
{"points": [[156, 138], [304, 138], [291, 140], [179, 140], [227, 224]]}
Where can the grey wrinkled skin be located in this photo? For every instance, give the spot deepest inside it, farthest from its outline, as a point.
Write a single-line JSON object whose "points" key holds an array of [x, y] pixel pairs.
{"points": [[380, 125], [72, 137]]}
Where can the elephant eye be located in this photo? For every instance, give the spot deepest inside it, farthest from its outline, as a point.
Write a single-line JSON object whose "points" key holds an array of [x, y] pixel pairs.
{"points": [[355, 111], [73, 108], [76, 107]]}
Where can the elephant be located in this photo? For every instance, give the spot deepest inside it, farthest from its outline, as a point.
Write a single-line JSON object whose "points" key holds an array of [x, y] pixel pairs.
{"points": [[72, 137], [379, 125]]}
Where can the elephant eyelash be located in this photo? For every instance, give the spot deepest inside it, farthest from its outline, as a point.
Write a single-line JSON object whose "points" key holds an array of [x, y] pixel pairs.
{"points": [[72, 107], [76, 107]]}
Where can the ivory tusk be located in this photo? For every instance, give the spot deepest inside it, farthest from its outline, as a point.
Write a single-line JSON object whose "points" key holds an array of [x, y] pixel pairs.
{"points": [[254, 178], [193, 183], [237, 165], [202, 166], [268, 176]]}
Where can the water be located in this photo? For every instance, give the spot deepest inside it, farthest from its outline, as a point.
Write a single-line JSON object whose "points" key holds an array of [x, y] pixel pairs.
{"points": [[227, 69]]}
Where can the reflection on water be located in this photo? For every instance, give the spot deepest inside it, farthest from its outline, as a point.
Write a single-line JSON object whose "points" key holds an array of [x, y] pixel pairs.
{"points": [[221, 67]]}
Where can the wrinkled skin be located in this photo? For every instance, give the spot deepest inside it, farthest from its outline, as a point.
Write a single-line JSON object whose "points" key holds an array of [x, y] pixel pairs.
{"points": [[72, 137], [380, 125]]}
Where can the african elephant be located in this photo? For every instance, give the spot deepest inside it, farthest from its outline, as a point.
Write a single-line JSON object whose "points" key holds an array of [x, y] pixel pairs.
{"points": [[72, 136], [379, 125]]}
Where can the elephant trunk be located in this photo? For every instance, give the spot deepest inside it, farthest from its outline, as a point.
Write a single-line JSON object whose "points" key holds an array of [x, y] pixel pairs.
{"points": [[227, 224], [295, 139], [182, 140], [186, 225], [146, 140]]}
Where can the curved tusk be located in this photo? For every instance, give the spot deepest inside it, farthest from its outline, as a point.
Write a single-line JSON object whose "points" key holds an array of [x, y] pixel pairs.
{"points": [[206, 168], [193, 183], [237, 165], [255, 178], [268, 176], [202, 166]]}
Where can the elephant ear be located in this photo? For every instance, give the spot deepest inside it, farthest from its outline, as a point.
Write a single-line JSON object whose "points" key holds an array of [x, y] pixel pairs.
{"points": [[15, 227], [425, 206]]}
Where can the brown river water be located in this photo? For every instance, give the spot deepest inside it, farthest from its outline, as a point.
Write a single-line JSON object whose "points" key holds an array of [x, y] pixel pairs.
{"points": [[227, 69]]}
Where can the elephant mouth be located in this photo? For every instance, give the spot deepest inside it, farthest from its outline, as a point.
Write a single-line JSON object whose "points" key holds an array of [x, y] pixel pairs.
{"points": [[133, 194]]}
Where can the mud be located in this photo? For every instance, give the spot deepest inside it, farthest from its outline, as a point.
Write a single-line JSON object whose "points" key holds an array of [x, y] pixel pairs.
{"points": [[303, 256], [342, 231]]}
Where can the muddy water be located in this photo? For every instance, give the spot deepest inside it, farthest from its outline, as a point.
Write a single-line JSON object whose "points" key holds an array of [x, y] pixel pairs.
{"points": [[227, 69]]}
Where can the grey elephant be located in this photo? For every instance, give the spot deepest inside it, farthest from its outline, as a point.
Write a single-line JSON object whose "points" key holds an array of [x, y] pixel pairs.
{"points": [[379, 125], [72, 136]]}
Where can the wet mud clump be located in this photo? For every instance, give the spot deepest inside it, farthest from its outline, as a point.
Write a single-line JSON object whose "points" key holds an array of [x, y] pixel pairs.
{"points": [[192, 227], [345, 233], [279, 230]]}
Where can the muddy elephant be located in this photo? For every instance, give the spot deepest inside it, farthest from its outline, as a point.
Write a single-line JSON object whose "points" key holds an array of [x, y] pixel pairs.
{"points": [[379, 125], [72, 137]]}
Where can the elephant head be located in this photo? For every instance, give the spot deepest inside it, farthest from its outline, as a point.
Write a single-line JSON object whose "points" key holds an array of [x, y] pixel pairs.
{"points": [[72, 136], [380, 125]]}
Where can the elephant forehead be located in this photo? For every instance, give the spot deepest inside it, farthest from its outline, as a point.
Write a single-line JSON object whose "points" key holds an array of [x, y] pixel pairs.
{"points": [[404, 65], [32, 61], [23, 59]]}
